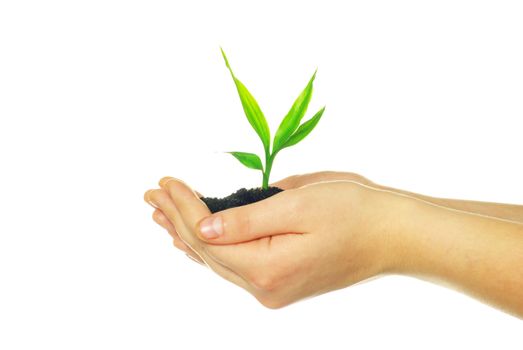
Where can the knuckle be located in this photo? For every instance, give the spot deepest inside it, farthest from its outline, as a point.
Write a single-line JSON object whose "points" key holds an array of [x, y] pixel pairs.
{"points": [[235, 224], [271, 302], [358, 178], [266, 280], [293, 180], [296, 200], [263, 283], [353, 175], [164, 179]]}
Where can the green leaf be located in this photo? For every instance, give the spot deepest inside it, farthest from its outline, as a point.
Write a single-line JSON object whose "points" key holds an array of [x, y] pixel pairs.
{"points": [[292, 120], [250, 160], [252, 110], [304, 129]]}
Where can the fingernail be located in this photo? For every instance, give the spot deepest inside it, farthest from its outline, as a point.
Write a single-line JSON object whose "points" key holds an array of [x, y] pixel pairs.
{"points": [[211, 227]]}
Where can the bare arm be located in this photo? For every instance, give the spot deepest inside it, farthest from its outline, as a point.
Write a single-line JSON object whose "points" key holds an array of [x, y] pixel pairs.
{"points": [[353, 232], [503, 211], [480, 255], [475, 246]]}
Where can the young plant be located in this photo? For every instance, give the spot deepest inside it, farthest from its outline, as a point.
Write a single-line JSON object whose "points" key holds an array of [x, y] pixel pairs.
{"points": [[289, 133]]}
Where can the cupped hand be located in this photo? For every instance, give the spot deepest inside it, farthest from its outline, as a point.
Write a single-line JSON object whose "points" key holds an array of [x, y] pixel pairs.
{"points": [[304, 241], [287, 183]]}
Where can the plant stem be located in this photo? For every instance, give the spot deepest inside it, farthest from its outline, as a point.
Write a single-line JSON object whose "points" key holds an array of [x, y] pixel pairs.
{"points": [[268, 166]]}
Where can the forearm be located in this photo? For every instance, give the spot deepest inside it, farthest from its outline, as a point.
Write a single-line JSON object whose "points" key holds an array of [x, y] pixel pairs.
{"points": [[510, 212], [503, 211], [479, 255]]}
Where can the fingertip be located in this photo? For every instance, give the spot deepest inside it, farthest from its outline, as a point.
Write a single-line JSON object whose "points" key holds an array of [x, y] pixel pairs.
{"points": [[164, 180], [156, 216], [178, 189], [159, 217], [175, 186], [146, 196]]}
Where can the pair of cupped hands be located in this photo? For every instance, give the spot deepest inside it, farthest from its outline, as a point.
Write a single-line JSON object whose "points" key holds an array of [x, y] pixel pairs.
{"points": [[326, 231]]}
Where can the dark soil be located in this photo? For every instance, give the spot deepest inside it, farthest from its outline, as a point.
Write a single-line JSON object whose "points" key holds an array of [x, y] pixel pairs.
{"points": [[241, 197]]}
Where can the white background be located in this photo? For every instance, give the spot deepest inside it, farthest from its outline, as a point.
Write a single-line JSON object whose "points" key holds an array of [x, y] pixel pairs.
{"points": [[100, 99]]}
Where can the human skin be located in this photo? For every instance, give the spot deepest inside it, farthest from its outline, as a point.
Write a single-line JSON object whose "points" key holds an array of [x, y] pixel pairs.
{"points": [[499, 210], [289, 249]]}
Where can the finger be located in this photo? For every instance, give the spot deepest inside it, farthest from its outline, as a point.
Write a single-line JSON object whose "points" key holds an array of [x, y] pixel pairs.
{"points": [[240, 264], [243, 257], [189, 210], [153, 205], [163, 201], [281, 213], [147, 199], [233, 264], [162, 220], [189, 205]]}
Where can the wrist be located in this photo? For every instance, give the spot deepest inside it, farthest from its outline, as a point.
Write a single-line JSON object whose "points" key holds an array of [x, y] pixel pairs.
{"points": [[401, 229], [390, 228], [430, 237]]}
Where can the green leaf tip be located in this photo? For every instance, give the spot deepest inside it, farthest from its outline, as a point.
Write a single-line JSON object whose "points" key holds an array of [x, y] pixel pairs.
{"points": [[292, 120], [304, 129], [251, 108], [250, 160], [226, 60]]}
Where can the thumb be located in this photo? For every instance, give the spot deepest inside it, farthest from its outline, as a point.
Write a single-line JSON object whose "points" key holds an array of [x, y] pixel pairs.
{"points": [[272, 216]]}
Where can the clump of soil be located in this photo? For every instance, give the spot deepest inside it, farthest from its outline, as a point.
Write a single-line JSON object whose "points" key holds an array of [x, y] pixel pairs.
{"points": [[241, 197]]}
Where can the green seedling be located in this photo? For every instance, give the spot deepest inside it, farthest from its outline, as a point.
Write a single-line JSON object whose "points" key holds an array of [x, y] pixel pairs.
{"points": [[289, 133]]}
